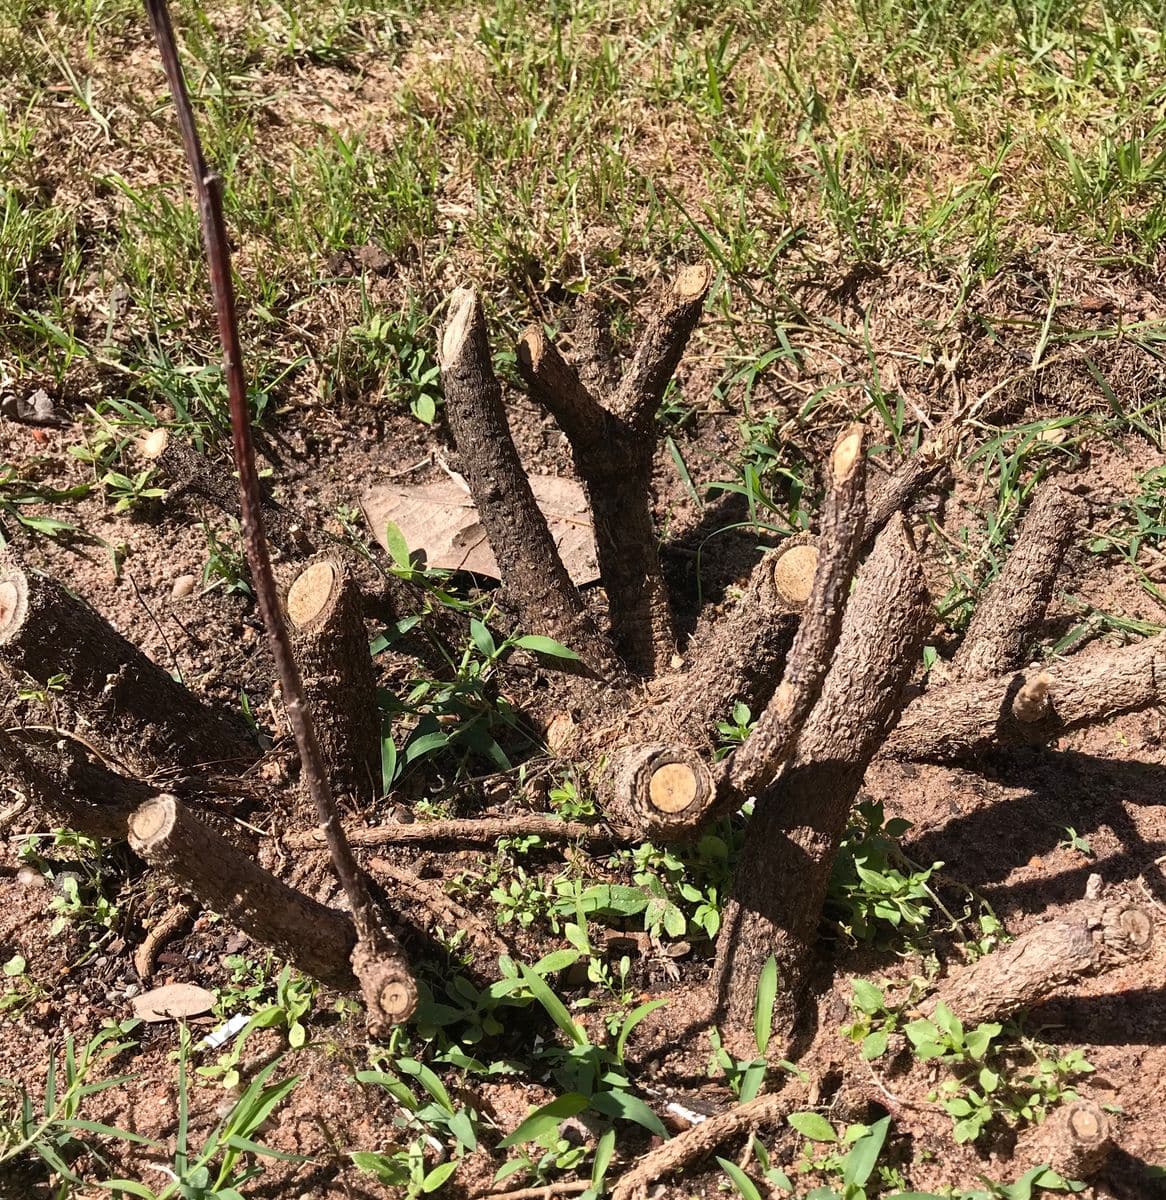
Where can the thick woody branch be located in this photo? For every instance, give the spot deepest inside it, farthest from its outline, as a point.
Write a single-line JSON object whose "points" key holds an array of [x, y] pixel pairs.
{"points": [[661, 791], [699, 1142], [797, 825], [376, 960], [472, 831], [1088, 938], [223, 878], [961, 720], [69, 784], [554, 383], [614, 460], [593, 348], [331, 647], [112, 691], [533, 573], [661, 347], [738, 655], [756, 763], [1008, 617], [1075, 1140]]}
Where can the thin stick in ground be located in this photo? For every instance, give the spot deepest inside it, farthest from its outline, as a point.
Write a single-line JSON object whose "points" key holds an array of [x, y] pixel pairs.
{"points": [[386, 981]]}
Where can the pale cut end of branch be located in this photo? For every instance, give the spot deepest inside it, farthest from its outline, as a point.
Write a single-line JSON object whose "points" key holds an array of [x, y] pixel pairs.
{"points": [[389, 991], [794, 565], [152, 820], [154, 444], [13, 601], [692, 282], [1034, 699], [311, 593], [847, 452], [464, 311]]}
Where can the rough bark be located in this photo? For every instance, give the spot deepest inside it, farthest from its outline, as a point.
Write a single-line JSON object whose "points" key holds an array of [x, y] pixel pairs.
{"points": [[331, 647], [1075, 1141], [1008, 616], [962, 720], [797, 824], [699, 1142], [661, 791], [1088, 938], [737, 655], [114, 693], [472, 830], [316, 939], [755, 764], [661, 347], [613, 442], [532, 572], [69, 784]]}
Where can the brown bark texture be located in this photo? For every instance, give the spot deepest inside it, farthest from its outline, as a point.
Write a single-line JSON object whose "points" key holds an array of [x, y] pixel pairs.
{"points": [[316, 939], [1009, 614], [699, 1142], [962, 720], [797, 824], [613, 442], [532, 572], [331, 647], [1075, 1140], [69, 784], [471, 830], [660, 791], [115, 694], [1088, 938], [737, 655], [756, 763]]}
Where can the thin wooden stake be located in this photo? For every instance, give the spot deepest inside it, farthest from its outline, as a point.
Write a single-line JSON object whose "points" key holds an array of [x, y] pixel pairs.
{"points": [[387, 984]]}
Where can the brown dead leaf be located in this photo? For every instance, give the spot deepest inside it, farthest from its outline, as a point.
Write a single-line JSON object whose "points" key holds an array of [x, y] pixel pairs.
{"points": [[172, 1001], [439, 520]]}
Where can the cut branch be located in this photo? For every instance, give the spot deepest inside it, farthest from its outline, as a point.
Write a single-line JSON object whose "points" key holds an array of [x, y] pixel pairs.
{"points": [[1088, 938], [755, 764], [797, 825], [388, 988], [738, 655], [1007, 618], [223, 878], [661, 347], [531, 569], [661, 791], [1075, 1141], [135, 709], [473, 831], [614, 460], [961, 720], [698, 1142], [331, 647]]}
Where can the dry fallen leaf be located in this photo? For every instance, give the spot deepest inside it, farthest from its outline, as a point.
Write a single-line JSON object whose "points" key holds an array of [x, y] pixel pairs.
{"points": [[172, 1001], [439, 520]]}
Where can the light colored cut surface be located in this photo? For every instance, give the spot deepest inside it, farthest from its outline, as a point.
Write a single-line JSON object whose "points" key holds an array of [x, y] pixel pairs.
{"points": [[150, 818], [672, 788], [308, 595], [9, 602], [793, 573]]}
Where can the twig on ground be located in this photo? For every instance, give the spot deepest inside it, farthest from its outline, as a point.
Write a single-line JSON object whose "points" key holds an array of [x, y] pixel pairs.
{"points": [[698, 1142], [167, 925], [473, 830]]}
